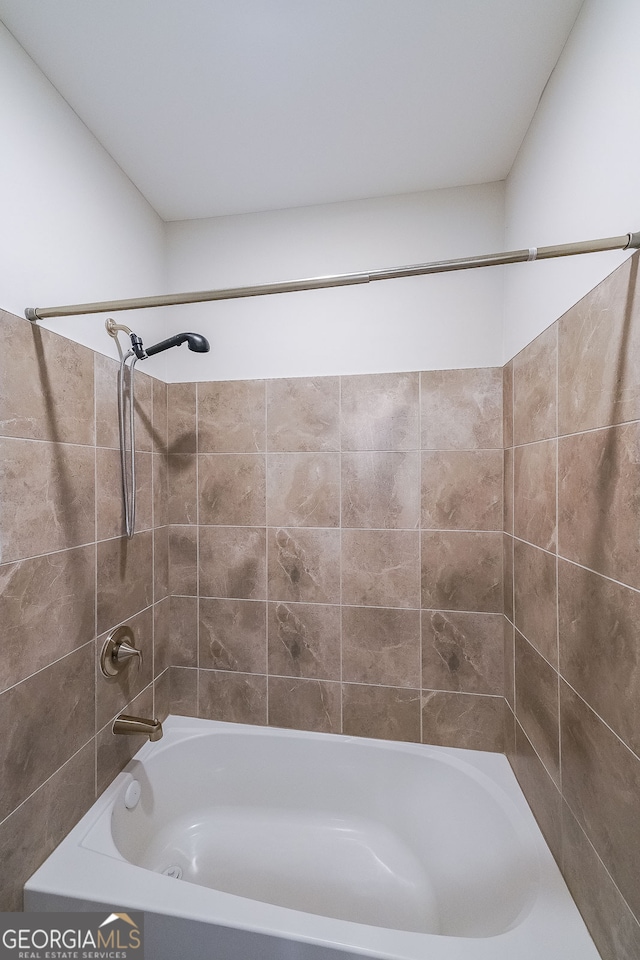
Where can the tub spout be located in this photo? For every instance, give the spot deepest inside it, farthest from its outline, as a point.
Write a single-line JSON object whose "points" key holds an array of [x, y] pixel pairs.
{"points": [[137, 725]]}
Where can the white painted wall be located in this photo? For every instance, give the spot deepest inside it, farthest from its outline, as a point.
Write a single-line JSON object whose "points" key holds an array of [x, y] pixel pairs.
{"points": [[73, 228], [576, 175], [409, 324]]}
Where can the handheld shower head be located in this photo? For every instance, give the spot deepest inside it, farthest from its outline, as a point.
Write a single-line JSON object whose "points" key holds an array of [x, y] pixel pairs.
{"points": [[195, 342]]}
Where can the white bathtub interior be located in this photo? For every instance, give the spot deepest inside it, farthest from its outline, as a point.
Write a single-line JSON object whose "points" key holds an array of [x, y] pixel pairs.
{"points": [[387, 849]]}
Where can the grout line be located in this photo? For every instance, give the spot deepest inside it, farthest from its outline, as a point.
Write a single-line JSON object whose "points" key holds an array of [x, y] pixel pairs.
{"points": [[293, 526], [57, 443], [562, 678], [47, 665], [575, 563], [602, 863], [544, 766], [580, 433], [359, 606], [52, 553], [557, 452], [601, 719], [45, 782], [355, 683], [533, 647]]}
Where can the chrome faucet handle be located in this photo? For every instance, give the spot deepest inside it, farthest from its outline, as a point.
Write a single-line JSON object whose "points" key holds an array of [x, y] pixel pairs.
{"points": [[117, 651]]}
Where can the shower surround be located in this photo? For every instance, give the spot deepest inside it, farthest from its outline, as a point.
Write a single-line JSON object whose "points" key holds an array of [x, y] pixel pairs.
{"points": [[572, 582], [336, 554], [67, 577], [328, 554]]}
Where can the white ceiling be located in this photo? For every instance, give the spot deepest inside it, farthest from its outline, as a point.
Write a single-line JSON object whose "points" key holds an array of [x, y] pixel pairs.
{"points": [[216, 107]]}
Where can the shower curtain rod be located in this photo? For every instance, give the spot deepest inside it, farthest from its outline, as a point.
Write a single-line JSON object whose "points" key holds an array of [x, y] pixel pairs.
{"points": [[628, 241]]}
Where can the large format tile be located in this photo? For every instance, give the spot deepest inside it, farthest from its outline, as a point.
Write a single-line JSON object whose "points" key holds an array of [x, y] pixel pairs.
{"points": [[36, 828], [160, 414], [615, 931], [387, 713], [183, 560], [598, 516], [381, 646], [183, 691], [57, 589], [537, 704], [46, 385], [47, 497], [233, 697], [507, 412], [182, 638], [534, 493], [231, 416], [105, 372], [181, 421], [143, 392], [304, 704], [534, 389], [601, 784], [462, 571], [160, 563], [599, 648], [461, 409], [41, 730], [380, 411], [303, 489], [542, 794], [162, 696], [233, 562], [508, 505], [509, 663], [463, 720], [233, 635], [304, 564], [599, 354], [109, 505], [303, 414], [381, 568], [462, 490], [182, 488], [535, 598], [463, 651], [380, 490], [232, 489], [125, 578], [304, 640], [507, 576], [161, 641], [160, 489]]}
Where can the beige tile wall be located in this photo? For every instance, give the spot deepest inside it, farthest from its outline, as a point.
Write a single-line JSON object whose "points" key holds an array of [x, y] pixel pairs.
{"points": [[572, 576], [327, 554], [336, 554], [67, 576]]}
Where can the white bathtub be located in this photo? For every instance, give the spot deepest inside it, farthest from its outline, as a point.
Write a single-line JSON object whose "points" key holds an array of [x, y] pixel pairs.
{"points": [[302, 845]]}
